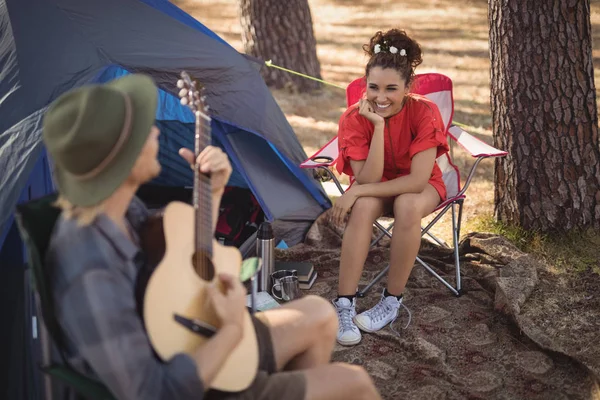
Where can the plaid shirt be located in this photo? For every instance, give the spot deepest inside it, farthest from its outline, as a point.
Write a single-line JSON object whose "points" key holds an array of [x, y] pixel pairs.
{"points": [[94, 270]]}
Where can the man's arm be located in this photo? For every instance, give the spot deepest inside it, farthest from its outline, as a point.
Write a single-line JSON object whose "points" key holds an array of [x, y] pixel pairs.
{"points": [[211, 357], [229, 307]]}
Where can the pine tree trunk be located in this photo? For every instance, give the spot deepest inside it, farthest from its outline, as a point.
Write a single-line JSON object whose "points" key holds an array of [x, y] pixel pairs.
{"points": [[281, 31], [544, 114]]}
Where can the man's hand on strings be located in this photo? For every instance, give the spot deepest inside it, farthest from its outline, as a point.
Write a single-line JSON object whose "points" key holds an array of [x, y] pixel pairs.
{"points": [[214, 161]]}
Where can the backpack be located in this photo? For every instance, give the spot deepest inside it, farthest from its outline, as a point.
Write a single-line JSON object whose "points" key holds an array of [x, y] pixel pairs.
{"points": [[240, 215]]}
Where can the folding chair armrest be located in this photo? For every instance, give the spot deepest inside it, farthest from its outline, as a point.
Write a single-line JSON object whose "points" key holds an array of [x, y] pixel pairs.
{"points": [[474, 146], [332, 176], [323, 159], [326, 156], [470, 176]]}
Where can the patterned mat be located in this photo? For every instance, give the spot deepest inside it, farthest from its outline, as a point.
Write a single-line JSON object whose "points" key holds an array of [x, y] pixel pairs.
{"points": [[505, 338]]}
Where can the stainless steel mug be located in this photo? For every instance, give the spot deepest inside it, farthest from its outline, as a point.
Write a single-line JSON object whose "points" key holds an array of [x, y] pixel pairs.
{"points": [[286, 283]]}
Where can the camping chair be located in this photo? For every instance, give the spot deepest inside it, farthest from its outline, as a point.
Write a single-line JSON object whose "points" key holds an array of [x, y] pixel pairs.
{"points": [[36, 221], [437, 88]]}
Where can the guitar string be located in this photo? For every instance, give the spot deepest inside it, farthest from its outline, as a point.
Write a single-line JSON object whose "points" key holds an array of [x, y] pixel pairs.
{"points": [[204, 139], [203, 225]]}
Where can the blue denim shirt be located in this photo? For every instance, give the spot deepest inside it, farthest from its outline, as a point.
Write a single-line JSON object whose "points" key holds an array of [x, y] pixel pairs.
{"points": [[94, 270]]}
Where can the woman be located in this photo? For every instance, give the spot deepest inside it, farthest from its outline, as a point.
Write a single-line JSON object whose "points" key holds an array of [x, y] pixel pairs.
{"points": [[388, 142]]}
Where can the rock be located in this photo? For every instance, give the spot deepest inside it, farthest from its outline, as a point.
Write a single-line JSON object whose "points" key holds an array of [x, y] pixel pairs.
{"points": [[515, 284]]}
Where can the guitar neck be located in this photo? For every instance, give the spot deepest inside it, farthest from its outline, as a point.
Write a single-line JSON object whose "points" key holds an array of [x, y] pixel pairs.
{"points": [[202, 189]]}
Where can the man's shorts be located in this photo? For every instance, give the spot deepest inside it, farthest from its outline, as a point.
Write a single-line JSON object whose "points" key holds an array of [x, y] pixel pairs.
{"points": [[268, 384]]}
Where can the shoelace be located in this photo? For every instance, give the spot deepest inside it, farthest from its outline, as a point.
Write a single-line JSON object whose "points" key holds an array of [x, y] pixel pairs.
{"points": [[394, 320], [345, 317], [379, 311], [383, 308]]}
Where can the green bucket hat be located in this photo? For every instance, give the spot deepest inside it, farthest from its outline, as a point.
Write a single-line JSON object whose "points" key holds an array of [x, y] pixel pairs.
{"points": [[95, 133]]}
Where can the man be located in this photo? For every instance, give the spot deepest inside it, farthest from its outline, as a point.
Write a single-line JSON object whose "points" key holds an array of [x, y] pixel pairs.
{"points": [[104, 145]]}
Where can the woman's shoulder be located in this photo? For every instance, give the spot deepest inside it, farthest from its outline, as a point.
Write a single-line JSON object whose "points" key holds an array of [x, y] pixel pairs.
{"points": [[422, 109], [419, 104]]}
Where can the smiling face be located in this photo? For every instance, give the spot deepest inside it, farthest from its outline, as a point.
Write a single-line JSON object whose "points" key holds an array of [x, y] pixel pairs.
{"points": [[386, 89]]}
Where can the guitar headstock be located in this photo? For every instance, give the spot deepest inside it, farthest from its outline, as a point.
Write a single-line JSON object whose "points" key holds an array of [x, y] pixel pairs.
{"points": [[191, 94]]}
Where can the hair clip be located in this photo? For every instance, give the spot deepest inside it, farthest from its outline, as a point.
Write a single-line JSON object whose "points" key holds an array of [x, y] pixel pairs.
{"points": [[391, 49]]}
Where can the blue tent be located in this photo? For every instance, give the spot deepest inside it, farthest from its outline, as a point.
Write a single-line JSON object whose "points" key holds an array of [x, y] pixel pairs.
{"points": [[50, 46]]}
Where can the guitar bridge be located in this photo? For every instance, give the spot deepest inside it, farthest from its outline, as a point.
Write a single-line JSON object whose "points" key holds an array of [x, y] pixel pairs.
{"points": [[196, 326]]}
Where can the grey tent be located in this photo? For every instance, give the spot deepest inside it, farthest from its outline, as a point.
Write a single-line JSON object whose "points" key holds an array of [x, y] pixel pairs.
{"points": [[50, 46]]}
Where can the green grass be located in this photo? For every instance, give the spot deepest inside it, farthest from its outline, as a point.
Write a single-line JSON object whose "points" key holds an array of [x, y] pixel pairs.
{"points": [[574, 252]]}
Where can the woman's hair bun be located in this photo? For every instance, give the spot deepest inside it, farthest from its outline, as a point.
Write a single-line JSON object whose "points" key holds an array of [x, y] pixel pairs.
{"points": [[382, 42]]}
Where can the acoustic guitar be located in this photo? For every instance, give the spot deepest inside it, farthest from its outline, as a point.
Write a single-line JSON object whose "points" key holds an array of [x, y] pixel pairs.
{"points": [[177, 311]]}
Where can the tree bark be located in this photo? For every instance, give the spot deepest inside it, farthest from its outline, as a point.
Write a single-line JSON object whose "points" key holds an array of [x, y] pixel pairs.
{"points": [[281, 31], [544, 114]]}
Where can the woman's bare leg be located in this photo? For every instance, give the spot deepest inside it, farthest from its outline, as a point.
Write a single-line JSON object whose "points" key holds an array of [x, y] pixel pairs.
{"points": [[409, 209], [356, 241]]}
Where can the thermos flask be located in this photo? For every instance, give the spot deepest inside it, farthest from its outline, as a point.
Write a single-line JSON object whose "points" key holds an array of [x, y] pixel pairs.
{"points": [[265, 249]]}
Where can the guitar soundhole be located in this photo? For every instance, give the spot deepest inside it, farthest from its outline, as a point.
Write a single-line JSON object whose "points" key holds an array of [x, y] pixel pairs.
{"points": [[203, 265]]}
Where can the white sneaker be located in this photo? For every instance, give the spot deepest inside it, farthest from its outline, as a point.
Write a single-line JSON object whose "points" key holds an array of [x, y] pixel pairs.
{"points": [[348, 333], [384, 312]]}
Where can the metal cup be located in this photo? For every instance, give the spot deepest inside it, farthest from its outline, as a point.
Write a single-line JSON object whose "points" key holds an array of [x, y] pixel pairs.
{"points": [[286, 283], [282, 274]]}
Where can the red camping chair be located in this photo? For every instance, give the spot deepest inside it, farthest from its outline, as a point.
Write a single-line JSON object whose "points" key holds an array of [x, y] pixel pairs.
{"points": [[437, 88]]}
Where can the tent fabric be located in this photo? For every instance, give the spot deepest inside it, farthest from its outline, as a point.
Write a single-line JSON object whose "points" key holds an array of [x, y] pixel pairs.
{"points": [[50, 46]]}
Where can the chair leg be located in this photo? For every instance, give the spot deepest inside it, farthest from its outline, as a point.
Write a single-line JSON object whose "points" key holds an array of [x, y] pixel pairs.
{"points": [[437, 276], [381, 274], [383, 229], [437, 239], [384, 232], [384, 271], [333, 178], [455, 237], [377, 239]]}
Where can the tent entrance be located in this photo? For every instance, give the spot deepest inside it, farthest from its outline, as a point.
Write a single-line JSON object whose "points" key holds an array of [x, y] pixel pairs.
{"points": [[240, 214]]}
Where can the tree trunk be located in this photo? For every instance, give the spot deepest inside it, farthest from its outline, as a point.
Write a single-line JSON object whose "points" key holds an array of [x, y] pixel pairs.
{"points": [[544, 114], [281, 31]]}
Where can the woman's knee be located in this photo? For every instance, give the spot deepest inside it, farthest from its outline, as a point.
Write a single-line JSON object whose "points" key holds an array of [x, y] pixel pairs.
{"points": [[367, 208], [407, 210]]}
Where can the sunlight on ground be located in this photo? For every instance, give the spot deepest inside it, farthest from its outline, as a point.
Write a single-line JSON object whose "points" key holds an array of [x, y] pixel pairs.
{"points": [[454, 39]]}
